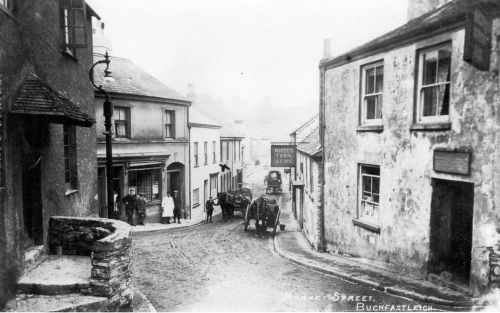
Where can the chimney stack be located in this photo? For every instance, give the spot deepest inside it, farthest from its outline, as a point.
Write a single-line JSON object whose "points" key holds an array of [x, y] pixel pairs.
{"points": [[419, 7], [327, 49], [191, 93], [101, 43]]}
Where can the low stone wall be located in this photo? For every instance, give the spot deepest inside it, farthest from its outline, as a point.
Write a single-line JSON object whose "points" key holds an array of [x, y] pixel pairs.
{"points": [[108, 243]]}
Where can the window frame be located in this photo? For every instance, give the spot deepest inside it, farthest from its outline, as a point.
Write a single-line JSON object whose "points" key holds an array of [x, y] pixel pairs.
{"points": [[196, 197], [70, 157], [436, 119], [214, 146], [151, 174], [171, 125], [69, 25], [195, 153], [361, 220], [205, 152], [127, 111], [363, 105]]}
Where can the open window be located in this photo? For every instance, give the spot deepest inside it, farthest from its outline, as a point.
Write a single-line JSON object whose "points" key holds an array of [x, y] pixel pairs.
{"points": [[73, 23]]}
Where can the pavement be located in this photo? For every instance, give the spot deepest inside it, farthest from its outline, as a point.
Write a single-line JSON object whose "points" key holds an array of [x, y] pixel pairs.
{"points": [[292, 245]]}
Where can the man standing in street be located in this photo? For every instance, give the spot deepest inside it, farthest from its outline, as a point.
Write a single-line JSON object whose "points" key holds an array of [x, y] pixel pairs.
{"points": [[177, 207], [141, 209], [209, 207], [130, 201]]}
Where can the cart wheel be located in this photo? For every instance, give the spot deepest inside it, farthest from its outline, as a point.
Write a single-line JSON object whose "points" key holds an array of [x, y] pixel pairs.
{"points": [[276, 222], [247, 219]]}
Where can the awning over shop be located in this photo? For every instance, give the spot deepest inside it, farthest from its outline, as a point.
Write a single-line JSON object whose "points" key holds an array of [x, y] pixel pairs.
{"points": [[37, 98]]}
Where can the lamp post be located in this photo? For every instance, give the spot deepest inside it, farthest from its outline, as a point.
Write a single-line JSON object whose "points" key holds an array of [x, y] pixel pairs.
{"points": [[108, 113]]}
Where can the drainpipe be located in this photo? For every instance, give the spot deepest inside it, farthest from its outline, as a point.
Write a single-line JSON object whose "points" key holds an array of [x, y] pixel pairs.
{"points": [[322, 170], [189, 161]]}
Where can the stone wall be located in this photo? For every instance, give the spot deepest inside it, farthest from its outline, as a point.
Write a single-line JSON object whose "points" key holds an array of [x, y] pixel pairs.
{"points": [[108, 243]]}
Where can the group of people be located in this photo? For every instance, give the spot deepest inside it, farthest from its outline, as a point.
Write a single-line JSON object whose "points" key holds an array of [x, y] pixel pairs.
{"points": [[171, 207], [135, 203]]}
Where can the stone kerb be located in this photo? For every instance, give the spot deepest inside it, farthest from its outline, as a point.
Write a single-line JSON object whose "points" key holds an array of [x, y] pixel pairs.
{"points": [[108, 243]]}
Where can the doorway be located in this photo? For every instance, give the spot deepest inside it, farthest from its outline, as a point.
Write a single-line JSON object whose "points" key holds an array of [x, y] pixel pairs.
{"points": [[451, 228]]}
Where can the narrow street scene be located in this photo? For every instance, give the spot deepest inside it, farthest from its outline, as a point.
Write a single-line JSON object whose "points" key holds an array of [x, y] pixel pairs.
{"points": [[251, 155]]}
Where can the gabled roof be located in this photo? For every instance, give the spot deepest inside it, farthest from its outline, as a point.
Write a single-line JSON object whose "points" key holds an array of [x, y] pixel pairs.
{"points": [[451, 15], [37, 98], [305, 129], [198, 119], [311, 144], [229, 131], [130, 79]]}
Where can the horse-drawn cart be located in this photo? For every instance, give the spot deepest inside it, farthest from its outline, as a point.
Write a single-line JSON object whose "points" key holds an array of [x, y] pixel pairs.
{"points": [[266, 213], [239, 199]]}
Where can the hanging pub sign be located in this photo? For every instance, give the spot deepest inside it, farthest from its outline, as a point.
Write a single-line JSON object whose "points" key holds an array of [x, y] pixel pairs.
{"points": [[452, 162], [282, 155], [478, 31]]}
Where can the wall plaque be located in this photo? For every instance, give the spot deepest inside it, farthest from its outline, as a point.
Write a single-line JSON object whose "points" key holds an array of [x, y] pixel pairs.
{"points": [[453, 162], [282, 155], [478, 30]]}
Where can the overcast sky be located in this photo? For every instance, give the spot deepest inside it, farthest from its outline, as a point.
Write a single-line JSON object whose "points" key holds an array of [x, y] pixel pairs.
{"points": [[251, 49]]}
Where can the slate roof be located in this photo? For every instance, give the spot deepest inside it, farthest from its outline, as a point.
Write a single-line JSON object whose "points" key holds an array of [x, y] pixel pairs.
{"points": [[130, 79], [311, 144], [199, 119], [448, 16], [228, 131], [38, 98], [305, 129]]}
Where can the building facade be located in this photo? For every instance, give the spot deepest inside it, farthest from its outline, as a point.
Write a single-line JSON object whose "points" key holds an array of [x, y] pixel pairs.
{"points": [[306, 184], [205, 156], [409, 128], [231, 158], [47, 141], [150, 139]]}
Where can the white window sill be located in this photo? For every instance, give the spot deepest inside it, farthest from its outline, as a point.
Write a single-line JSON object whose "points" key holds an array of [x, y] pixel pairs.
{"points": [[70, 192], [431, 126], [370, 128]]}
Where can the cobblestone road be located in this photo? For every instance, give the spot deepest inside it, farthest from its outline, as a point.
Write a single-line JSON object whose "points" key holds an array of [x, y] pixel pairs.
{"points": [[219, 267]]}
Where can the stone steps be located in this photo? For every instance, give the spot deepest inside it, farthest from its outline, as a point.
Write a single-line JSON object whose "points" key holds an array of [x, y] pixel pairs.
{"points": [[33, 257], [57, 275], [56, 303]]}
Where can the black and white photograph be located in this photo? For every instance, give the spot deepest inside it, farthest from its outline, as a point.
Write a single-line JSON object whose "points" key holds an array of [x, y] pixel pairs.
{"points": [[249, 156]]}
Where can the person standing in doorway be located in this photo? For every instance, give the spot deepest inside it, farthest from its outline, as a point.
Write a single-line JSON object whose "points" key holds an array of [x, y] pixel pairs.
{"points": [[167, 205], [177, 207], [141, 209], [130, 201], [209, 207]]}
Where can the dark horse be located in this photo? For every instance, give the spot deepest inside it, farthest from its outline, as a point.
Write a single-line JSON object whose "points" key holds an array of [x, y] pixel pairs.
{"points": [[226, 202], [261, 210]]}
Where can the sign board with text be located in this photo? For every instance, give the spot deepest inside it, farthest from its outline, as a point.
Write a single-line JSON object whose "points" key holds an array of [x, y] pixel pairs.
{"points": [[282, 155], [453, 162]]}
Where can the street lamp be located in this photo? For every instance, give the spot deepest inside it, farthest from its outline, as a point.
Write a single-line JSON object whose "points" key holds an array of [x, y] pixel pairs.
{"points": [[108, 113]]}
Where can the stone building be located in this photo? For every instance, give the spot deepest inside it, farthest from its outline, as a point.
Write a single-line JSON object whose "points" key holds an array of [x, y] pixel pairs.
{"points": [[47, 138], [409, 127], [205, 155], [306, 184], [150, 139], [231, 158]]}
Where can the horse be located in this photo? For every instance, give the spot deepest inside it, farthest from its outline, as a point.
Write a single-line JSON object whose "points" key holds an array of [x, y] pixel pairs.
{"points": [[226, 202], [260, 210]]}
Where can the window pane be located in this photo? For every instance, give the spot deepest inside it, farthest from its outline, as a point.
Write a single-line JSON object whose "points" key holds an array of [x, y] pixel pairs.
{"points": [[430, 68], [156, 185], [444, 99], [428, 101], [444, 65], [370, 170], [371, 107], [379, 79], [168, 117], [376, 185], [121, 129], [367, 184], [370, 81]]}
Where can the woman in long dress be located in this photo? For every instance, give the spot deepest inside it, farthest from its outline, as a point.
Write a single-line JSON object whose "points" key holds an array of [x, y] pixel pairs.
{"points": [[167, 206]]}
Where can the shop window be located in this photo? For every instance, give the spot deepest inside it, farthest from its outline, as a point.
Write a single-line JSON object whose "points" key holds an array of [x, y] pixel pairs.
{"points": [[195, 148], [433, 103], [369, 194], [146, 182], [122, 122], [196, 196], [70, 160], [73, 23], [205, 152], [169, 124], [372, 93]]}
